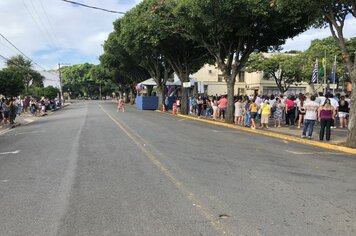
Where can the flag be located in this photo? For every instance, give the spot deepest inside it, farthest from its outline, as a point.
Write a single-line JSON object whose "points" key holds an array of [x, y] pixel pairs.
{"points": [[323, 62], [314, 78], [322, 69], [333, 72]]}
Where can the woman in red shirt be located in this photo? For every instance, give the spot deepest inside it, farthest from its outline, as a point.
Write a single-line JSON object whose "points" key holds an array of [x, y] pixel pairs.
{"points": [[290, 111]]}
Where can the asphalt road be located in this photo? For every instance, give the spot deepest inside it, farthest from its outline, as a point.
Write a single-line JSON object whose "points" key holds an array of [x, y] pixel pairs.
{"points": [[88, 170]]}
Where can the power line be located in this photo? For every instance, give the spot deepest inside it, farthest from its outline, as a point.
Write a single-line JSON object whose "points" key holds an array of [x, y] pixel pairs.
{"points": [[5, 44], [50, 25], [20, 66], [34, 19], [15, 46], [38, 21], [41, 21], [92, 7], [21, 52]]}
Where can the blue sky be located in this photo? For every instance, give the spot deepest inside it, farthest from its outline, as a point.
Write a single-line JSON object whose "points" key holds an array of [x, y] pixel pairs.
{"points": [[52, 31]]}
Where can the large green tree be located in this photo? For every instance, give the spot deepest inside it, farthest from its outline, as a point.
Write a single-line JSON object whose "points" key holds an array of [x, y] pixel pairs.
{"points": [[77, 80], [283, 68], [331, 13], [126, 68], [232, 29], [47, 92], [104, 78], [25, 68], [162, 32], [11, 82], [135, 37]]}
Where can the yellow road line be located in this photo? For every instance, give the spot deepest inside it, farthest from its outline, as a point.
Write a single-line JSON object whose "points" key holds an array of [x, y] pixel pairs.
{"points": [[217, 225], [276, 135]]}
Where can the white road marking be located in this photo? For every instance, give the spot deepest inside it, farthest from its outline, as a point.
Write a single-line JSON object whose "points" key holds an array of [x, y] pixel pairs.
{"points": [[31, 132], [5, 153]]}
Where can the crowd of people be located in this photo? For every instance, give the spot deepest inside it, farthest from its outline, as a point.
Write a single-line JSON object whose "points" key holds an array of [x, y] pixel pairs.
{"points": [[302, 111], [12, 107]]}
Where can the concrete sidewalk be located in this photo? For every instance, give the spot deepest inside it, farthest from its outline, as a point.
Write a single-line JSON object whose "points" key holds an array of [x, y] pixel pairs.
{"points": [[24, 119], [291, 133], [338, 135]]}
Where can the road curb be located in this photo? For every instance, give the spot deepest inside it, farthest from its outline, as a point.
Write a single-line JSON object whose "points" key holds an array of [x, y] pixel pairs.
{"points": [[272, 134]]}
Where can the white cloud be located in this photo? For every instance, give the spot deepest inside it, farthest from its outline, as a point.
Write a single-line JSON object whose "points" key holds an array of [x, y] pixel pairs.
{"points": [[302, 41], [49, 31]]}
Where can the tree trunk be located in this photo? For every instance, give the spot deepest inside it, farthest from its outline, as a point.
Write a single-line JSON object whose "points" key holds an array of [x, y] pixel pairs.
{"points": [[184, 103], [160, 94], [183, 75], [230, 101], [351, 134], [351, 68], [132, 95], [126, 98]]}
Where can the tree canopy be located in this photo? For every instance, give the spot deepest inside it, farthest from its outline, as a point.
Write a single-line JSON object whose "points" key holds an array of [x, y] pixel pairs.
{"points": [[151, 32], [11, 82], [25, 68], [285, 69], [232, 29]]}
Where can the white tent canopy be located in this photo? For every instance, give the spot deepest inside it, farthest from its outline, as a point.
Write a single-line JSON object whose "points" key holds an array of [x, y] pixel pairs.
{"points": [[149, 82], [176, 81]]}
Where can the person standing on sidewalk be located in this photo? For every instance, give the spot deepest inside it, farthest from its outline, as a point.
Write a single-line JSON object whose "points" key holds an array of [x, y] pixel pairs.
{"points": [[200, 106], [326, 114], [253, 112], [343, 111], [5, 111], [265, 114], [214, 104], [311, 112], [301, 110], [246, 111], [278, 112], [238, 111], [335, 103], [223, 105], [12, 110], [290, 111]]}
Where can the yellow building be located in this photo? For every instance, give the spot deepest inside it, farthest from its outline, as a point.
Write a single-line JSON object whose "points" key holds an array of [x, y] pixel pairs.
{"points": [[246, 83]]}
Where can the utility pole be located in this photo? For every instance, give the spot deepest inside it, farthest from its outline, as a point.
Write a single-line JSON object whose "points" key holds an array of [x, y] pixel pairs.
{"points": [[100, 91], [325, 87], [61, 83]]}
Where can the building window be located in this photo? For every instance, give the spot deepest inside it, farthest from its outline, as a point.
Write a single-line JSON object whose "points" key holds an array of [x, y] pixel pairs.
{"points": [[242, 76], [267, 76], [220, 78], [241, 91]]}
